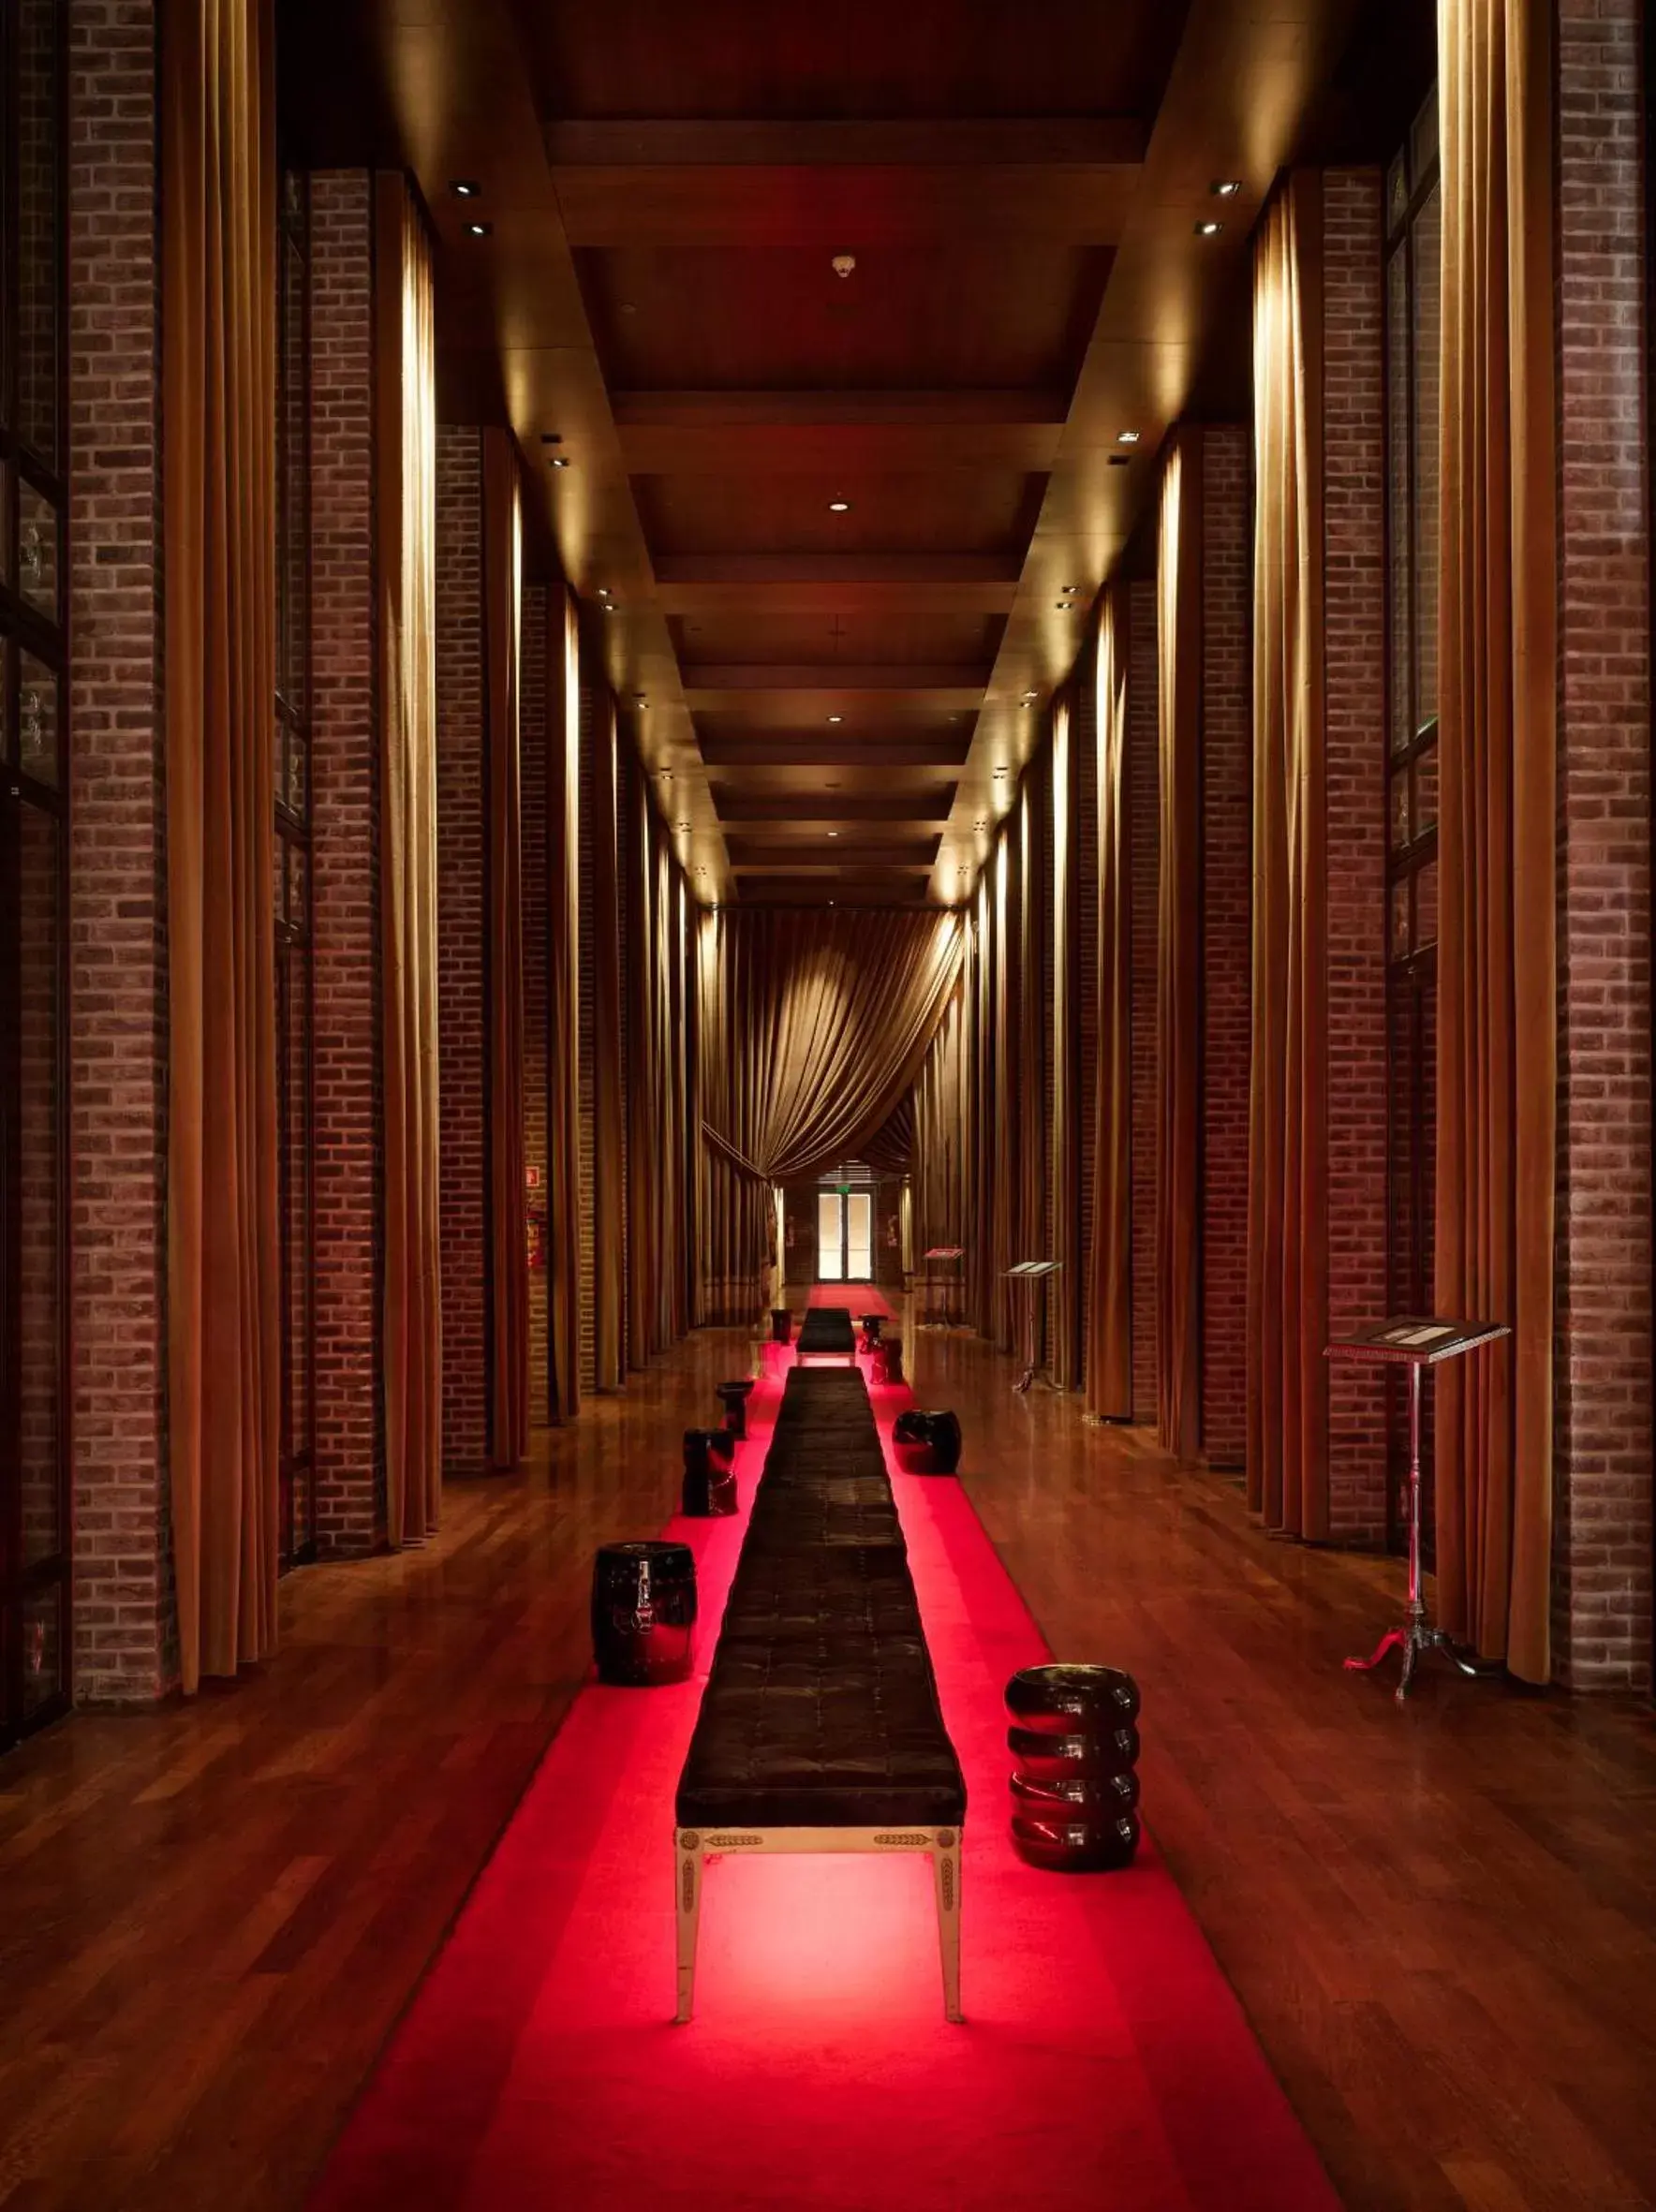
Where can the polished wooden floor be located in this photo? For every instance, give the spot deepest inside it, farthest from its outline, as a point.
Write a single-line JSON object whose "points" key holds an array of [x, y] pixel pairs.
{"points": [[1441, 1921]]}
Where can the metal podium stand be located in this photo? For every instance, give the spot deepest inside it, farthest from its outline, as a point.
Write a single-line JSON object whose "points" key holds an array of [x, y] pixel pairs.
{"points": [[1416, 1343], [945, 1291], [1031, 1275]]}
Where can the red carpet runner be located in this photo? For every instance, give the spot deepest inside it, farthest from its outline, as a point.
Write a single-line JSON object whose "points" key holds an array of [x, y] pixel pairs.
{"points": [[1104, 2062]]}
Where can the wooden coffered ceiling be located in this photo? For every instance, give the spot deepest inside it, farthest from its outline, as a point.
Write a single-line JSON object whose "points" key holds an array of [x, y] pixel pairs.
{"points": [[845, 528]]}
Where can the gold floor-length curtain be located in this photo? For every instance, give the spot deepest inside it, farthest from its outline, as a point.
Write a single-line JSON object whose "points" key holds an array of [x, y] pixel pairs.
{"points": [[813, 1026], [1288, 1118], [563, 1058], [940, 1154], [509, 1264], [1178, 987], [1065, 1162], [218, 397], [1497, 1012], [1030, 1234], [985, 1151], [1109, 1304], [666, 1173], [1005, 1010], [609, 1150], [405, 518]]}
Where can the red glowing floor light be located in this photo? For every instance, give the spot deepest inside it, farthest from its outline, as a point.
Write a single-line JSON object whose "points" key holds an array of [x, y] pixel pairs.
{"points": [[1104, 2052]]}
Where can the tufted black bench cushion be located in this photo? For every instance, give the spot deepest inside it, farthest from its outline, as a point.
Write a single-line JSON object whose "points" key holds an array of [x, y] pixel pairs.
{"points": [[827, 1333], [821, 1709]]}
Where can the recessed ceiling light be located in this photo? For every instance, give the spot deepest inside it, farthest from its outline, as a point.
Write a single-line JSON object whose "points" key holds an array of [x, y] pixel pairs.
{"points": [[477, 229], [604, 591], [833, 833], [1209, 229], [839, 507], [465, 187], [610, 608], [1226, 187], [1072, 589], [1128, 438], [1029, 698], [639, 700], [837, 717], [683, 825], [560, 461]]}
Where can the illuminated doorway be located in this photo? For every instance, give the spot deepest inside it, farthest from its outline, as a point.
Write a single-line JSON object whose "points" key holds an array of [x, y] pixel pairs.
{"points": [[845, 1236]]}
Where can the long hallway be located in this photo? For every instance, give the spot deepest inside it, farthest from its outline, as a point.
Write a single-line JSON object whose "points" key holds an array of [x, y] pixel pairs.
{"points": [[1440, 1922]]}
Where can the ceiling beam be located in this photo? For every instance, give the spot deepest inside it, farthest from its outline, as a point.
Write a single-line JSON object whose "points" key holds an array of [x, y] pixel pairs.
{"points": [[848, 567], [925, 809], [907, 410], [1033, 141], [868, 862], [943, 683], [794, 750]]}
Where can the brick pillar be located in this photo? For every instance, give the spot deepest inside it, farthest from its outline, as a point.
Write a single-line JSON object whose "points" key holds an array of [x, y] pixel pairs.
{"points": [[1602, 1622], [1144, 777], [124, 1628], [345, 828], [532, 742], [1355, 678], [1227, 955], [463, 1029]]}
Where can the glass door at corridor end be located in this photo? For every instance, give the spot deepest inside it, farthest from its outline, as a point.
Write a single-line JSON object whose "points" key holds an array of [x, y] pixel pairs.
{"points": [[845, 1236]]}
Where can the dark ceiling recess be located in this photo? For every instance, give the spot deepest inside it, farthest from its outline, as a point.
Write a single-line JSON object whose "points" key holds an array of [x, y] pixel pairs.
{"points": [[839, 312]]}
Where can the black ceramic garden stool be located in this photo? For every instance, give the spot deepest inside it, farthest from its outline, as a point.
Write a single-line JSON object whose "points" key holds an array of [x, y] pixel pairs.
{"points": [[709, 1490], [643, 1611], [888, 1359], [1074, 1786], [872, 1323], [733, 1396], [1066, 1700], [781, 1325], [927, 1443]]}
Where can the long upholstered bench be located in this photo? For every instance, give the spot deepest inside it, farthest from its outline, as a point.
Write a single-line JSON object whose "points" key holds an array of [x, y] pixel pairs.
{"points": [[820, 1728], [828, 1334]]}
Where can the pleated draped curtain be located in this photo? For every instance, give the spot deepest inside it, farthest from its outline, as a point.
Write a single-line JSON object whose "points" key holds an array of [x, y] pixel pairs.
{"points": [[218, 206], [1178, 1000], [509, 1273], [1108, 1373], [1498, 653], [665, 1195], [563, 1056], [813, 1028], [405, 517], [1288, 1129]]}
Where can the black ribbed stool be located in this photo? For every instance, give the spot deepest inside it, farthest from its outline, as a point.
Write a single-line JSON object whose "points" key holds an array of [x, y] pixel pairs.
{"points": [[1074, 1787], [733, 1397], [643, 1611]]}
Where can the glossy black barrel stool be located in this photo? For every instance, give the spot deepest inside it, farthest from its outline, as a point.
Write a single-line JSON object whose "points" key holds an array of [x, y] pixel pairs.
{"points": [[781, 1325], [733, 1397], [888, 1361], [872, 1324], [643, 1611], [927, 1443], [710, 1482], [1074, 1785]]}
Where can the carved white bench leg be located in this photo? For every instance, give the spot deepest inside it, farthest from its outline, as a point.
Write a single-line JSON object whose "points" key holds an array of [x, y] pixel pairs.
{"points": [[687, 1873], [946, 1860]]}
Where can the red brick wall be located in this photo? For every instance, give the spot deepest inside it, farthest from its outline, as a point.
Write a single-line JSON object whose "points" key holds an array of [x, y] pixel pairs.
{"points": [[345, 814], [1143, 858], [124, 1616], [1602, 1570], [532, 743], [461, 793], [1227, 871], [1353, 585]]}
